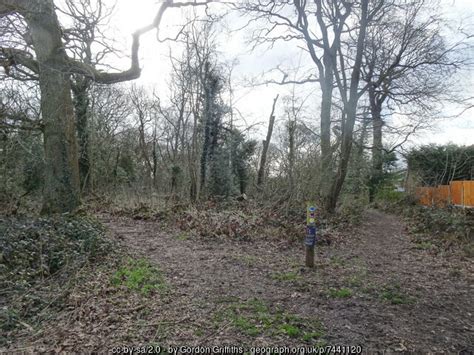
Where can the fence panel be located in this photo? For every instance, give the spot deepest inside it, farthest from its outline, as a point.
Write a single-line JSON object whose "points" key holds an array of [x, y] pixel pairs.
{"points": [[441, 196], [468, 189], [425, 195], [457, 193]]}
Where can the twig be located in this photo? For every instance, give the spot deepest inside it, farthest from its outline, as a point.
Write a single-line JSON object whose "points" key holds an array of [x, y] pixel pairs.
{"points": [[214, 332]]}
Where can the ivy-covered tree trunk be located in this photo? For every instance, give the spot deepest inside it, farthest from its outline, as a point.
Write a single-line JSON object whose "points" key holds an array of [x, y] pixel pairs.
{"points": [[211, 122], [61, 190], [81, 103], [206, 140]]}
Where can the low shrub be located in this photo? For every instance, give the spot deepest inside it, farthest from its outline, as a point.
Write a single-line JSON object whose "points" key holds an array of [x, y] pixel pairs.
{"points": [[349, 214], [449, 227], [446, 223], [32, 248], [39, 257], [389, 195]]}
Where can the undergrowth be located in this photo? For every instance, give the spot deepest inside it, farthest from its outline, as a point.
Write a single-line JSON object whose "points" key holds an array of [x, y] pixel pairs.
{"points": [[349, 214], [242, 220], [435, 227], [38, 260]]}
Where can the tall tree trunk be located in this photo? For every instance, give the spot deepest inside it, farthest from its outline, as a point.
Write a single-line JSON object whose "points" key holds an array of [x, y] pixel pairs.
{"points": [[115, 169], [377, 144], [291, 157], [193, 157], [206, 139], [377, 156], [193, 189], [144, 148], [266, 144], [359, 158], [155, 161], [351, 111], [210, 83], [61, 191], [81, 104], [192, 165], [326, 150]]}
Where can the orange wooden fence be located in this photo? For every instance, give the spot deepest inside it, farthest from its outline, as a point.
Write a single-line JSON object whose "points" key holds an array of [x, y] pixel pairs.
{"points": [[468, 187], [458, 193], [442, 196]]}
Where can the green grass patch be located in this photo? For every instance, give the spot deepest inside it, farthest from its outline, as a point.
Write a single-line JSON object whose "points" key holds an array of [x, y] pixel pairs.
{"points": [[246, 325], [255, 318], [286, 276], [290, 330], [395, 295], [139, 275], [340, 292]]}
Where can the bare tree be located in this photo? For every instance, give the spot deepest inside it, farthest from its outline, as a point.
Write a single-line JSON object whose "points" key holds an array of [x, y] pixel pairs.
{"points": [[407, 67], [85, 41], [144, 109], [266, 144], [324, 28], [53, 67], [110, 110]]}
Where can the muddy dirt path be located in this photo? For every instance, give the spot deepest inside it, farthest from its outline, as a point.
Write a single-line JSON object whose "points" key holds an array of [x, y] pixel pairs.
{"points": [[375, 289]]}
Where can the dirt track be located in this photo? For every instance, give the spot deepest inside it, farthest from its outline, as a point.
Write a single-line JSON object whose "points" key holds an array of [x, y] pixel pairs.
{"points": [[374, 288], [401, 297]]}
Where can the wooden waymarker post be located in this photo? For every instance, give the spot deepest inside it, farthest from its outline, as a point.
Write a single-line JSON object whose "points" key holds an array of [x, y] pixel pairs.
{"points": [[310, 238]]}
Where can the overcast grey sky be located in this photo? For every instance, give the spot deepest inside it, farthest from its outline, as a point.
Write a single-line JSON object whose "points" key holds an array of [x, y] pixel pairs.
{"points": [[254, 104]]}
